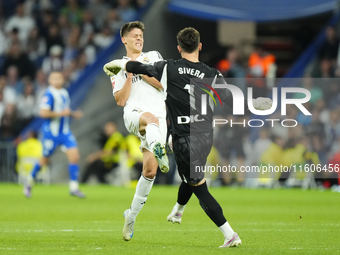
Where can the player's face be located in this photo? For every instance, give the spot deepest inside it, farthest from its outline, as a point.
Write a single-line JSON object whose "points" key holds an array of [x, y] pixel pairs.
{"points": [[56, 79], [134, 40]]}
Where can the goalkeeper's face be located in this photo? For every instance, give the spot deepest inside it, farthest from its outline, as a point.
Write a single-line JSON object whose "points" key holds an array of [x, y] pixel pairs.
{"points": [[133, 40], [56, 79]]}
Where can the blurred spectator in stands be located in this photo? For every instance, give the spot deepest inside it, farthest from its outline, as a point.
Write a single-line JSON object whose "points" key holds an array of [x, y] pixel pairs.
{"points": [[2, 105], [332, 129], [45, 20], [298, 154], [68, 72], [2, 17], [260, 62], [3, 44], [261, 65], [335, 161], [316, 128], [103, 161], [141, 3], [99, 10], [29, 152], [104, 38], [81, 64], [26, 103], [273, 155], [16, 57], [316, 133], [36, 46], [90, 48], [33, 8], [324, 112], [13, 37], [13, 80], [316, 93], [73, 12], [229, 143], [260, 146], [71, 50], [53, 62], [332, 93], [324, 69], [23, 23], [87, 26], [108, 129], [64, 26], [59, 4], [126, 11], [76, 31], [114, 21], [294, 134], [53, 37], [230, 67], [40, 84], [9, 93], [330, 47], [10, 124]]}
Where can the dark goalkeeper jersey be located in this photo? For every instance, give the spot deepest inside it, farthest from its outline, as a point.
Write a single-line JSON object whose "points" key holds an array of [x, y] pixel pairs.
{"points": [[186, 84]]}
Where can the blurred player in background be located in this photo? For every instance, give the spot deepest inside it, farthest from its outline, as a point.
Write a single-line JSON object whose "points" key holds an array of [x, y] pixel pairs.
{"points": [[102, 162], [144, 116], [55, 108], [192, 141]]}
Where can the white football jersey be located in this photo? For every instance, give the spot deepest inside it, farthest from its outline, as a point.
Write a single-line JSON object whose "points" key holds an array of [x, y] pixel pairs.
{"points": [[142, 94]]}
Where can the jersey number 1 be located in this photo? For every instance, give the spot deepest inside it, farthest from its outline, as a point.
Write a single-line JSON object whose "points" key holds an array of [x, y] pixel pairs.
{"points": [[190, 88]]}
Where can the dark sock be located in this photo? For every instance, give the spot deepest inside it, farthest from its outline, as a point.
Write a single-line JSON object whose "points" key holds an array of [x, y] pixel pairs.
{"points": [[184, 193], [208, 203]]}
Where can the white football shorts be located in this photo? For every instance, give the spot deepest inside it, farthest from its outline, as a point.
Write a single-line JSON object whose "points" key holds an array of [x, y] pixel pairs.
{"points": [[131, 121]]}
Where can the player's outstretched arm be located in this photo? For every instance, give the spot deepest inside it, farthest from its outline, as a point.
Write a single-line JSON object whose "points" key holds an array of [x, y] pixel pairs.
{"points": [[115, 66], [148, 71], [77, 114], [47, 114]]}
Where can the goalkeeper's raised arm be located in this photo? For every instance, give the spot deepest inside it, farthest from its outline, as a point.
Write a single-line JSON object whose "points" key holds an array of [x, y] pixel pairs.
{"points": [[156, 71], [115, 66]]}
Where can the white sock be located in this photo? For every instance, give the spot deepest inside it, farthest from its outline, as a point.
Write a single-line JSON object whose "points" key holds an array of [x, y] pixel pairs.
{"points": [[29, 180], [143, 188], [152, 134], [179, 208], [227, 230], [74, 185]]}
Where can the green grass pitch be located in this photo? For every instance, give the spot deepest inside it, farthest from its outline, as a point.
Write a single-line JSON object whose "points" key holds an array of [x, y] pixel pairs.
{"points": [[268, 222]]}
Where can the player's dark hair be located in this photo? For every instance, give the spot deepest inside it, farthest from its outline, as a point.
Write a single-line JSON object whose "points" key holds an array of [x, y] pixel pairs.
{"points": [[188, 39], [34, 134], [127, 27]]}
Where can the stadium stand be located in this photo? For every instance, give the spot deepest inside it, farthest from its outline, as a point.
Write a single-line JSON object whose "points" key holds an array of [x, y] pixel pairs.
{"points": [[69, 36]]}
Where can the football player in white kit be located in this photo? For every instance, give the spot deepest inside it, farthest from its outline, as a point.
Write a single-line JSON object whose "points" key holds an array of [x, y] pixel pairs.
{"points": [[143, 99]]}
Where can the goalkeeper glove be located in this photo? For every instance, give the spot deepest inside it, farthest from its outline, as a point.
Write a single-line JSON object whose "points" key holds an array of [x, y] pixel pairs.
{"points": [[262, 103], [113, 67]]}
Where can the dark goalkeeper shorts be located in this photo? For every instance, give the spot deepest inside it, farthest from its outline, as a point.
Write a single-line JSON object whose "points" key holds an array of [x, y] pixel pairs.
{"points": [[191, 154]]}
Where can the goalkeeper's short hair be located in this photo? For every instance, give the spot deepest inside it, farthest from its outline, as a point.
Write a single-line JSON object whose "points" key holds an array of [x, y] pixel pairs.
{"points": [[188, 39]]}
